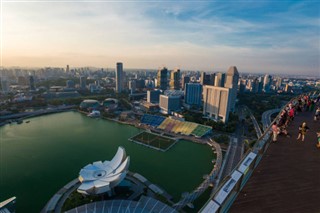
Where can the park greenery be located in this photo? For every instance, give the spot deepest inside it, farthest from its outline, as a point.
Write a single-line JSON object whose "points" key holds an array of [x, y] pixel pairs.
{"points": [[222, 139], [259, 103]]}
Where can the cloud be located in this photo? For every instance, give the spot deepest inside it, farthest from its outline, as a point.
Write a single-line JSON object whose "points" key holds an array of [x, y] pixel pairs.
{"points": [[268, 36]]}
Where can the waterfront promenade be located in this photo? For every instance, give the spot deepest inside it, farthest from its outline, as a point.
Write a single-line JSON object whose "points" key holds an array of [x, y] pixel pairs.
{"points": [[288, 176], [24, 115]]}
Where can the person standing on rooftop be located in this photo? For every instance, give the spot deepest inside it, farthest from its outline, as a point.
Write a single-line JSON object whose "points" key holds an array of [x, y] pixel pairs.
{"points": [[303, 128], [275, 131]]}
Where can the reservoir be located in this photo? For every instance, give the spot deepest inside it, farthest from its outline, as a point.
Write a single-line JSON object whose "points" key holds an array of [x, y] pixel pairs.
{"points": [[40, 157]]}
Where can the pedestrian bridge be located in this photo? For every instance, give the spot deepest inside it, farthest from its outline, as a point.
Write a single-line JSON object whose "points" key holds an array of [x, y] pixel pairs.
{"points": [[284, 176]]}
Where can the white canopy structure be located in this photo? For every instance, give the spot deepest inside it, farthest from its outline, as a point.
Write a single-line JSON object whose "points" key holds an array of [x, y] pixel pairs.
{"points": [[100, 177]]}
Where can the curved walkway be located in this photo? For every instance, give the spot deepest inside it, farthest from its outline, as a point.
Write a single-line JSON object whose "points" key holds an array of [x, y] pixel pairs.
{"points": [[189, 198], [288, 176], [24, 115], [56, 202], [266, 117], [144, 205]]}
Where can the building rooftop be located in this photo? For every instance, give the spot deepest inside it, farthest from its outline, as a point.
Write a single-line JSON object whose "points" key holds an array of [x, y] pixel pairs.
{"points": [[288, 176], [101, 177], [232, 71]]}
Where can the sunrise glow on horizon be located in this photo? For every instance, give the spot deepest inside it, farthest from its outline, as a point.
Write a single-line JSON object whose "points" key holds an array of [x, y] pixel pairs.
{"points": [[265, 36]]}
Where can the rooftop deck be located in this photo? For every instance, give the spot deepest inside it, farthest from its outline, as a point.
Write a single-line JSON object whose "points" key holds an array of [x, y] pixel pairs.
{"points": [[288, 176]]}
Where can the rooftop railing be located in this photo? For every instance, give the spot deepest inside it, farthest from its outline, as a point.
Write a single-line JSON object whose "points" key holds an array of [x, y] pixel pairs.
{"points": [[223, 197]]}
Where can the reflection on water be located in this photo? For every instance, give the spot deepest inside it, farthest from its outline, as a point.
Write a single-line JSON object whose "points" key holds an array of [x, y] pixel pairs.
{"points": [[40, 157]]}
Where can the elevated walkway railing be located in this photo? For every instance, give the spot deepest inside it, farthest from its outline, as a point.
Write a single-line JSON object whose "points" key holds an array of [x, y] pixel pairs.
{"points": [[190, 197], [224, 196]]}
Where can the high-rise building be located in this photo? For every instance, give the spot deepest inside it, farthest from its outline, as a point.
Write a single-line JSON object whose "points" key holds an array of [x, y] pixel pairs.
{"points": [[185, 80], [4, 85], [83, 83], [260, 85], [169, 103], [153, 96], [193, 94], [31, 83], [204, 79], [175, 79], [162, 78], [267, 80], [257, 86], [132, 85], [232, 83], [278, 83], [243, 84], [216, 103], [219, 79], [288, 87], [119, 77], [67, 69], [22, 81], [212, 79], [140, 84], [70, 84]]}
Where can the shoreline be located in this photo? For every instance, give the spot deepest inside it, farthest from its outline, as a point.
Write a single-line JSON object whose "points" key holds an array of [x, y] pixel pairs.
{"points": [[25, 115]]}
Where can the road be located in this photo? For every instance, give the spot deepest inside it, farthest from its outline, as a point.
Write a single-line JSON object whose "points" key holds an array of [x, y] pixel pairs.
{"points": [[266, 117], [236, 148], [254, 121]]}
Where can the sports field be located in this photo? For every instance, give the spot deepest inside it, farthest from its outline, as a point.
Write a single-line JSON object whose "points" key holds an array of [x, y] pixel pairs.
{"points": [[153, 140]]}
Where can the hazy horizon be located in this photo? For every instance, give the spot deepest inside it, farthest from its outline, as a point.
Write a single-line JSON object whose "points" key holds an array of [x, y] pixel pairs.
{"points": [[260, 37]]}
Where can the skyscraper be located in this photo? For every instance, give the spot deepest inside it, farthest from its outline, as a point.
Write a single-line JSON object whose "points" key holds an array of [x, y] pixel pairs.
{"points": [[278, 83], [266, 83], [185, 80], [4, 85], [192, 94], [219, 79], [212, 79], [256, 86], [31, 83], [288, 87], [119, 77], [175, 79], [232, 83], [162, 78], [83, 82], [216, 102], [243, 84], [204, 79], [67, 69], [132, 85]]}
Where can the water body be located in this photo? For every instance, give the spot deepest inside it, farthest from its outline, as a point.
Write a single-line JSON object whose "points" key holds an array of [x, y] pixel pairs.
{"points": [[40, 157]]}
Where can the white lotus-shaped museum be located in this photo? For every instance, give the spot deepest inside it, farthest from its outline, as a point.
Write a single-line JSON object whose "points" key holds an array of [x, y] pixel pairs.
{"points": [[100, 177]]}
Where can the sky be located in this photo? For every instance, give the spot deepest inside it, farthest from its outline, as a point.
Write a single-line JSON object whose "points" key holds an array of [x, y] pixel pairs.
{"points": [[256, 36]]}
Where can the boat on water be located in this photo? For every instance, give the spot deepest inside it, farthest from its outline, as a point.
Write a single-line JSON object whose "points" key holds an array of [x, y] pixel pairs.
{"points": [[94, 114]]}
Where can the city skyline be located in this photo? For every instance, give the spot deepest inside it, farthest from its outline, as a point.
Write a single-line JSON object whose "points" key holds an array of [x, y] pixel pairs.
{"points": [[267, 37]]}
